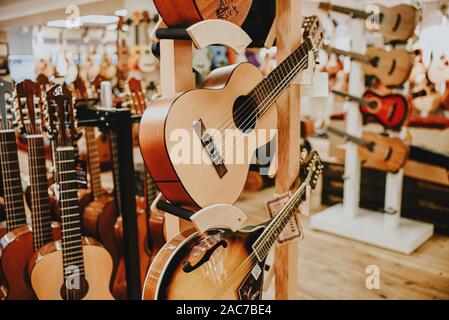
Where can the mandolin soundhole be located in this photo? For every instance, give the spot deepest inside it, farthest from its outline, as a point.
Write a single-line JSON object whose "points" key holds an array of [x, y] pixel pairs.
{"points": [[244, 113]]}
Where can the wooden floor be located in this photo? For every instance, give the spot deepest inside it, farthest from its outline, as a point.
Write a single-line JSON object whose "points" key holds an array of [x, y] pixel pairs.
{"points": [[331, 267]]}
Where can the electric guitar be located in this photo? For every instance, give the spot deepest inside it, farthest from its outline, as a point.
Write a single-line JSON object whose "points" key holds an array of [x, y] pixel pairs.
{"points": [[392, 111], [377, 151], [234, 98], [220, 264], [74, 268], [396, 23], [392, 68], [11, 279]]}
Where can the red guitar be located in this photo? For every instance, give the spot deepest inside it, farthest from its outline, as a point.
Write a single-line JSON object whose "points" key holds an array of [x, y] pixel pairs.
{"points": [[392, 111]]}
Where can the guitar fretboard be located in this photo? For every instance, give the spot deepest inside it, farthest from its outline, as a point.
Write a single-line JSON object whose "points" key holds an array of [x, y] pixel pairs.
{"points": [[72, 249], [115, 172], [94, 162], [40, 206], [12, 184]]}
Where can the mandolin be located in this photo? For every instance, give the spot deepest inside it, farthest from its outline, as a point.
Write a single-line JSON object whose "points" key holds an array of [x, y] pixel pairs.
{"points": [[98, 211], [392, 111], [234, 99], [396, 23], [220, 264], [392, 68], [184, 13], [377, 151], [11, 279], [74, 268]]}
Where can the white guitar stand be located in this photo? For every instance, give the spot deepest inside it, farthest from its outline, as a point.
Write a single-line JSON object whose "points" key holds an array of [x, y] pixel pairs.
{"points": [[387, 230]]}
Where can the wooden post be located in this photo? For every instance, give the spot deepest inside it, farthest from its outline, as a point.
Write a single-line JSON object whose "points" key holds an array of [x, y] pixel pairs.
{"points": [[288, 37]]}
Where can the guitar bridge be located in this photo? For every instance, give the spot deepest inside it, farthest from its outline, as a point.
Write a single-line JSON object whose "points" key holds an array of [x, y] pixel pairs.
{"points": [[211, 148]]}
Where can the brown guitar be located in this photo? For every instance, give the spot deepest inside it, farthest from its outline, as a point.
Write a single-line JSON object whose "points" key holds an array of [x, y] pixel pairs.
{"points": [[234, 98], [74, 268], [392, 68], [220, 264], [184, 13], [377, 151], [396, 23]]}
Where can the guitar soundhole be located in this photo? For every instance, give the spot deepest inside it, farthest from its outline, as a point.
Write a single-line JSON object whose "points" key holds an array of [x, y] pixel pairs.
{"points": [[76, 291], [244, 113]]}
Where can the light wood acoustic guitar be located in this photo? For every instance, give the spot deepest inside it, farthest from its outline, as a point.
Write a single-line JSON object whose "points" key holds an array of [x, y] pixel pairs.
{"points": [[392, 68], [236, 101], [396, 23], [220, 264], [74, 268], [377, 151], [184, 13]]}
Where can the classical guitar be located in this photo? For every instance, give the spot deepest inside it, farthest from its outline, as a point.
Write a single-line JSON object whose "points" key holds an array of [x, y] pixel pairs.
{"points": [[234, 98], [184, 13], [74, 268], [392, 111], [396, 23], [392, 68], [377, 151], [11, 279], [98, 210], [220, 264]]}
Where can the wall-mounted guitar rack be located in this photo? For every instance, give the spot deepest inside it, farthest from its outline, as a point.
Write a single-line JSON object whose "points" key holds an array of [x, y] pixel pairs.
{"points": [[120, 121]]}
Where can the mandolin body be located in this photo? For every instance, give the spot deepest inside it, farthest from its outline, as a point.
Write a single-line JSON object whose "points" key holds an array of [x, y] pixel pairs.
{"points": [[46, 271], [215, 279], [169, 142]]}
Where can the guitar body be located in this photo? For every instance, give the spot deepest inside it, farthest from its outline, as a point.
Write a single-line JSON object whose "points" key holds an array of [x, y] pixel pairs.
{"points": [[16, 249], [46, 271], [393, 110], [98, 222], [391, 68], [215, 279], [199, 185], [390, 154], [184, 13], [398, 22]]}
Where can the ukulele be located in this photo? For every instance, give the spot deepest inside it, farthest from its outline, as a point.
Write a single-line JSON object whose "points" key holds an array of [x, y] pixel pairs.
{"points": [[392, 68], [184, 13], [74, 268], [98, 212], [397, 23], [392, 111], [233, 97], [12, 285], [377, 151], [220, 264]]}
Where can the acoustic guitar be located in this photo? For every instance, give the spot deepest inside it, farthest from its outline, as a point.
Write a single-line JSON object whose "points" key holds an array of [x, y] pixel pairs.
{"points": [[392, 68], [396, 23], [392, 111], [13, 204], [377, 151], [220, 264], [75, 268], [184, 13], [234, 98]]}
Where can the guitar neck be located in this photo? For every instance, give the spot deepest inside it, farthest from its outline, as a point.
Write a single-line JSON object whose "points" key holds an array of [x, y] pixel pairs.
{"points": [[150, 189], [68, 198], [40, 206], [270, 88], [115, 172], [355, 13], [353, 98], [355, 56], [361, 142], [94, 162], [12, 183]]}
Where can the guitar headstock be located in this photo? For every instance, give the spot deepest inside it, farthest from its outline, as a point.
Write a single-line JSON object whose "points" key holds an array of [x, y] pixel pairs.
{"points": [[137, 95], [61, 116], [6, 101], [313, 31], [312, 168], [30, 108]]}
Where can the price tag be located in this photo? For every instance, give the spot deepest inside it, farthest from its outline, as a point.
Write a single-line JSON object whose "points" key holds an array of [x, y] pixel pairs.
{"points": [[292, 231]]}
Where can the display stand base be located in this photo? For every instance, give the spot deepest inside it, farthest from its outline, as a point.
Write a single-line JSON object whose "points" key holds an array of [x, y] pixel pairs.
{"points": [[368, 226]]}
